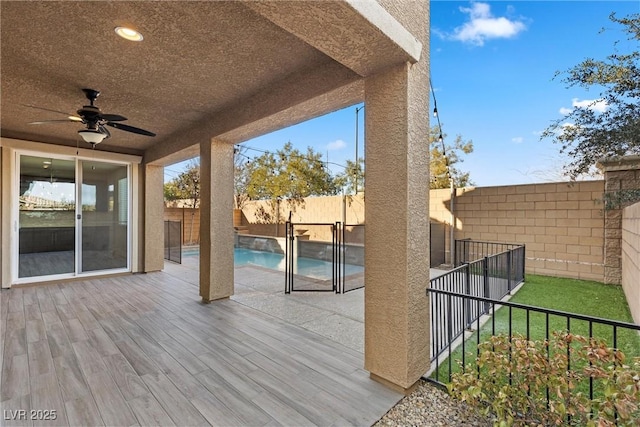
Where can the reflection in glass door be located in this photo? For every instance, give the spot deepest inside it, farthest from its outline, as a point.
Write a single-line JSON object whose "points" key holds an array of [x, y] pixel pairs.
{"points": [[46, 219], [105, 216]]}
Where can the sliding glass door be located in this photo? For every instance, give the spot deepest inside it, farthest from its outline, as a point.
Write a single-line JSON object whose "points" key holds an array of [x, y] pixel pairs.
{"points": [[73, 217], [105, 216], [46, 218]]}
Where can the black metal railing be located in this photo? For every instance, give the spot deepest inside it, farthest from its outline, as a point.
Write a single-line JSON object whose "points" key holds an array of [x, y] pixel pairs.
{"points": [[511, 319], [325, 251], [467, 250], [338, 254], [173, 241], [490, 277], [351, 254]]}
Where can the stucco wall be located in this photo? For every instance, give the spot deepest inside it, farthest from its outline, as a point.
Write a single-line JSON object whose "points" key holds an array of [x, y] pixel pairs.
{"points": [[631, 258]]}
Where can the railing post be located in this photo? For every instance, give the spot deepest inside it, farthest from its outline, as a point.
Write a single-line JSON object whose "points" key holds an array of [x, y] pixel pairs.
{"points": [[180, 241], [288, 256], [524, 260], [454, 253], [335, 228], [509, 271], [467, 291], [485, 282]]}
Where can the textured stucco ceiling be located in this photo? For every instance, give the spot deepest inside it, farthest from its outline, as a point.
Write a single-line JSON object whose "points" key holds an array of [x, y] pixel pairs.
{"points": [[204, 69]]}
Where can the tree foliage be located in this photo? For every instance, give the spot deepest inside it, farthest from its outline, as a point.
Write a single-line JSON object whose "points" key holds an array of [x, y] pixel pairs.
{"points": [[587, 135], [185, 186], [241, 177], [289, 175], [443, 160], [352, 176]]}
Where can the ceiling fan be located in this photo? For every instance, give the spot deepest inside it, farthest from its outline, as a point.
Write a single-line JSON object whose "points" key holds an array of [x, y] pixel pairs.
{"points": [[96, 121]]}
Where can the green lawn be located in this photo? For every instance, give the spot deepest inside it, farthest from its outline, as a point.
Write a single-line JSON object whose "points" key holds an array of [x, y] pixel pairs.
{"points": [[568, 295]]}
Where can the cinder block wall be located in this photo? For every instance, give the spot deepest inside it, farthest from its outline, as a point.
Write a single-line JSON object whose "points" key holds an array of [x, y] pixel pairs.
{"points": [[314, 210], [631, 258], [561, 224]]}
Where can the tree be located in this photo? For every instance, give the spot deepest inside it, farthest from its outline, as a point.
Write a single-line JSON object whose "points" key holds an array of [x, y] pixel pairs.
{"points": [[347, 179], [241, 177], [588, 134], [185, 186], [289, 175], [444, 157]]}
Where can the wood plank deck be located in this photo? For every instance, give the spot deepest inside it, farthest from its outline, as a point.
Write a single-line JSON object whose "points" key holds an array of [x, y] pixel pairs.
{"points": [[143, 350]]}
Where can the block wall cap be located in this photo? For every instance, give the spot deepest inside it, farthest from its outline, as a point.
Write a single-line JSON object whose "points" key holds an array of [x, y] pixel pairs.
{"points": [[619, 163]]}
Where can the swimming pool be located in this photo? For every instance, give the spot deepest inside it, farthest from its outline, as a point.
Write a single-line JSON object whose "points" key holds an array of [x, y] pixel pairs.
{"points": [[309, 267]]}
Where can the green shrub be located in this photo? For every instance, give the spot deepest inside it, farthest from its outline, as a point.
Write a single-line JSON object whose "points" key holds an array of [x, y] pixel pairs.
{"points": [[546, 382]]}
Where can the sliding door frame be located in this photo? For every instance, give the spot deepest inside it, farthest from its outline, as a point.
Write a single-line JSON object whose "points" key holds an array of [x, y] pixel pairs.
{"points": [[78, 156]]}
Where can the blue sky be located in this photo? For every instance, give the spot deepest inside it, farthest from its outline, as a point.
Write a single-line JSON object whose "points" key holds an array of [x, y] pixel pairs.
{"points": [[492, 69]]}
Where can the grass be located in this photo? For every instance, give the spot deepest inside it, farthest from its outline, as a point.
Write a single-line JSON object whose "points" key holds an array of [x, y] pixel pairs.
{"points": [[568, 295]]}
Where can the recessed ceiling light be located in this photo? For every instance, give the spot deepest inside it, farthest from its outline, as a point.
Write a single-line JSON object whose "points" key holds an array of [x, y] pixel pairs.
{"points": [[129, 34]]}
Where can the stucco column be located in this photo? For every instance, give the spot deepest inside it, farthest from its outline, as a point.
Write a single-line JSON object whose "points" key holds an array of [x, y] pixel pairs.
{"points": [[397, 226], [216, 220], [153, 218]]}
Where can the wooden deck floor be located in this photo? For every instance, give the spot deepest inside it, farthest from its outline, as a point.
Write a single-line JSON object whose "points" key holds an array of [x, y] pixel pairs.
{"points": [[143, 350]]}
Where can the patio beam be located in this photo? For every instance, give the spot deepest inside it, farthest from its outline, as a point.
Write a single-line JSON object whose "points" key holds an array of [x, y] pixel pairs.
{"points": [[299, 97], [362, 36]]}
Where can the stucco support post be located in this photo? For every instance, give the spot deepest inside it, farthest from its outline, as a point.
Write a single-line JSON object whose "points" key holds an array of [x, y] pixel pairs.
{"points": [[216, 220], [5, 218], [397, 231], [621, 188], [153, 218]]}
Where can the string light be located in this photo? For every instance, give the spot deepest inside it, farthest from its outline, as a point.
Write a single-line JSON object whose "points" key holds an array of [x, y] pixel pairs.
{"points": [[440, 137], [282, 156]]}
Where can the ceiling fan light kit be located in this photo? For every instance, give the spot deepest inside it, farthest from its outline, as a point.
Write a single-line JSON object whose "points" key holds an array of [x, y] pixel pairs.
{"points": [[92, 136]]}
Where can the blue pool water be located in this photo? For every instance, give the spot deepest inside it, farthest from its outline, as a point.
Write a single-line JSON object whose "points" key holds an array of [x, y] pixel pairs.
{"points": [[306, 266]]}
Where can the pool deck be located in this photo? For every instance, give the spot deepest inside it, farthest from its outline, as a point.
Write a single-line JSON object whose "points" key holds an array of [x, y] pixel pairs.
{"points": [[338, 317]]}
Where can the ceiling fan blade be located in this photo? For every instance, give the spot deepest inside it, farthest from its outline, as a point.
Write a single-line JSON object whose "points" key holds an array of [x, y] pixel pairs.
{"points": [[130, 129], [113, 117], [70, 119], [46, 109]]}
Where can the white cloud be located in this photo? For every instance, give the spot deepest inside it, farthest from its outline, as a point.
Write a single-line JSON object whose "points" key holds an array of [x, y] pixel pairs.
{"points": [[336, 145], [482, 26], [517, 140], [597, 105]]}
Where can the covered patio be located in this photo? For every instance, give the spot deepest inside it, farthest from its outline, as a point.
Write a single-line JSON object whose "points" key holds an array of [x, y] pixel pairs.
{"points": [[108, 333]]}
